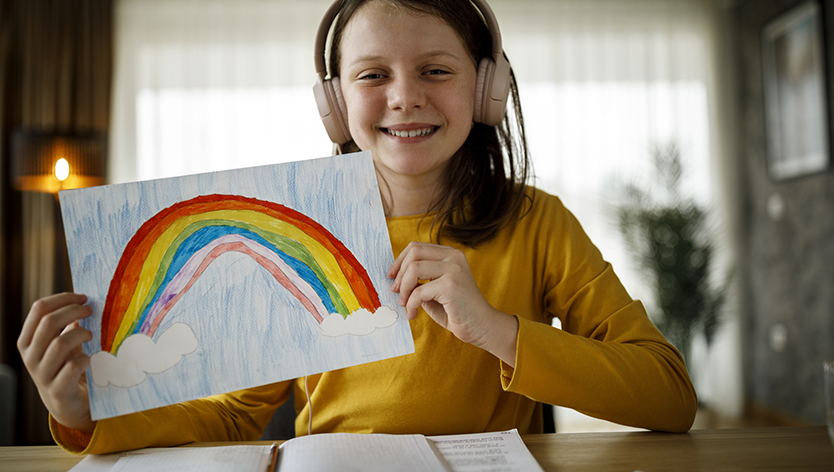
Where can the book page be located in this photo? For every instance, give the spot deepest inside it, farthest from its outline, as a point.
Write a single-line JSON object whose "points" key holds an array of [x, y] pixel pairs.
{"points": [[360, 452], [486, 452], [202, 459]]}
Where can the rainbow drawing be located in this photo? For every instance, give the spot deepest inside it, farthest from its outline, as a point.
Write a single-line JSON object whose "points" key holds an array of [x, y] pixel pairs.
{"points": [[171, 250]]}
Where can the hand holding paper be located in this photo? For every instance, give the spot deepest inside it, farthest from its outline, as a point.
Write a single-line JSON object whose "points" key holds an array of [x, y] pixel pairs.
{"points": [[50, 346], [438, 279]]}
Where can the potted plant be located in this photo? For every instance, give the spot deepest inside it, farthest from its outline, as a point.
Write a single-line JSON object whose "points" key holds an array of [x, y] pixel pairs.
{"points": [[668, 236]]}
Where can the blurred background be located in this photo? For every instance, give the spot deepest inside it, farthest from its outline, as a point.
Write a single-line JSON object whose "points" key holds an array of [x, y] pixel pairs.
{"points": [[143, 89]]}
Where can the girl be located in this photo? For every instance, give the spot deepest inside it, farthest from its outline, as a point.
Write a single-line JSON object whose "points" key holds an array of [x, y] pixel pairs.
{"points": [[483, 265]]}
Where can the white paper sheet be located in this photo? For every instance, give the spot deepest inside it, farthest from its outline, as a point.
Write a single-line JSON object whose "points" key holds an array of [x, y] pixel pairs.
{"points": [[365, 452], [486, 452], [211, 283], [202, 459]]}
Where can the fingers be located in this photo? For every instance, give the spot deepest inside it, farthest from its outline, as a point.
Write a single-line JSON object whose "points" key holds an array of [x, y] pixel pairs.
{"points": [[426, 296], [415, 253], [50, 344], [416, 264], [411, 252], [63, 351], [44, 307], [427, 273], [42, 332], [416, 274], [67, 378], [50, 328]]}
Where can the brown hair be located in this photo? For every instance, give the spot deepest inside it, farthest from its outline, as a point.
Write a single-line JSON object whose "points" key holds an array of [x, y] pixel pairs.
{"points": [[485, 182]]}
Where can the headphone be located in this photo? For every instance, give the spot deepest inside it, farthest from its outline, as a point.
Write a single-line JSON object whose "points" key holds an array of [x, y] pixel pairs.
{"points": [[491, 89]]}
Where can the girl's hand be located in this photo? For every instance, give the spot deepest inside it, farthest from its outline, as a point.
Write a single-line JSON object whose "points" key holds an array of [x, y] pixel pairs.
{"points": [[438, 278], [50, 345]]}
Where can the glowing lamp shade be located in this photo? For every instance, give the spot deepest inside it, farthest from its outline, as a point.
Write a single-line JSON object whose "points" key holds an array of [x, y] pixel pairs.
{"points": [[49, 162]]}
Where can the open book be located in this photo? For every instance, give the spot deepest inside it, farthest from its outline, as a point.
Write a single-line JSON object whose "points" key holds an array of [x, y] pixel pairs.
{"points": [[480, 452]]}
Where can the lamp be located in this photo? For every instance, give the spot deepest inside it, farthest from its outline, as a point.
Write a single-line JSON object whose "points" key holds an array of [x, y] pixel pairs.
{"points": [[49, 161]]}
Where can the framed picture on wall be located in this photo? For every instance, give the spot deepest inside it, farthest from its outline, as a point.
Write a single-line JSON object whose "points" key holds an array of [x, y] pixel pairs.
{"points": [[795, 96]]}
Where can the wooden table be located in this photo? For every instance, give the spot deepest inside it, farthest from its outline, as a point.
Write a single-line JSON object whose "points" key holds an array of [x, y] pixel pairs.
{"points": [[772, 449]]}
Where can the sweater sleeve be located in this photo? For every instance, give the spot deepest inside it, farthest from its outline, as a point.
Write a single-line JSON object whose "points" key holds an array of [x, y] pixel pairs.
{"points": [[608, 361], [236, 416]]}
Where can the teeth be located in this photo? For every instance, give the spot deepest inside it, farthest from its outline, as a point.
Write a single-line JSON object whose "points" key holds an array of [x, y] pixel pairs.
{"points": [[411, 133]]}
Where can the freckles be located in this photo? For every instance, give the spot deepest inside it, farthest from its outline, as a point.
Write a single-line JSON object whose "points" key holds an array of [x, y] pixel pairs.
{"points": [[356, 110], [361, 103], [464, 96]]}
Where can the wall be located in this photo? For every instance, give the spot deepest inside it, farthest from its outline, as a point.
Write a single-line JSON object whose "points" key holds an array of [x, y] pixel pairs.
{"points": [[788, 262]]}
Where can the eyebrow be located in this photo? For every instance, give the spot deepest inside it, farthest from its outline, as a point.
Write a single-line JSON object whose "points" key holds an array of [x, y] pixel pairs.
{"points": [[430, 54]]}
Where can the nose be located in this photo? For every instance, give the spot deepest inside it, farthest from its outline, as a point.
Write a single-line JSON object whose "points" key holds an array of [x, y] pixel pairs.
{"points": [[406, 93]]}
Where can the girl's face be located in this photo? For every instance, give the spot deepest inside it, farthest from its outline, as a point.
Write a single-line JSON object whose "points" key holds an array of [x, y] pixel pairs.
{"points": [[409, 87]]}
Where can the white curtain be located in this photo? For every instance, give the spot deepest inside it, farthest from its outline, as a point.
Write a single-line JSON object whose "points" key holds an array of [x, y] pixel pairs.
{"points": [[206, 85]]}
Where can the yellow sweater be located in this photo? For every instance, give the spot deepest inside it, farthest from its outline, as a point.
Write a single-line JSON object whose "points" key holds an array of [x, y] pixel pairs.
{"points": [[607, 361]]}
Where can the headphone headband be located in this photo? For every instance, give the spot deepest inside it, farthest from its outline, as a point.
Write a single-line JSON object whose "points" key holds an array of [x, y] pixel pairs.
{"points": [[321, 39], [330, 15]]}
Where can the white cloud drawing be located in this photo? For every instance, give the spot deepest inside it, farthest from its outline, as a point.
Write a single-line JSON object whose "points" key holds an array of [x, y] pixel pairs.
{"points": [[139, 355], [359, 323]]}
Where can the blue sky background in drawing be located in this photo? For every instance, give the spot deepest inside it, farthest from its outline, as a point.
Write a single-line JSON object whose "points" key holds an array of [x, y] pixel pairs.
{"points": [[251, 330]]}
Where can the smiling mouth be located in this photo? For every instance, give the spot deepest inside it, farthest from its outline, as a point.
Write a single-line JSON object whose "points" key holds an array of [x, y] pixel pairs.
{"points": [[412, 133]]}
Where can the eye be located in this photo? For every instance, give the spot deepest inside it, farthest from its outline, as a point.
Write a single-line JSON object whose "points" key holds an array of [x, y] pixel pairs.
{"points": [[436, 72], [371, 76]]}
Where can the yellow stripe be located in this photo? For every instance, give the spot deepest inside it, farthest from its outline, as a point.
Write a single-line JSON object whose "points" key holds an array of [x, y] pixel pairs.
{"points": [[325, 258]]}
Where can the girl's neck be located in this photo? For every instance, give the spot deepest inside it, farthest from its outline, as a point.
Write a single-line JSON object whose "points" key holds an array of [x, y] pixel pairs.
{"points": [[406, 196]]}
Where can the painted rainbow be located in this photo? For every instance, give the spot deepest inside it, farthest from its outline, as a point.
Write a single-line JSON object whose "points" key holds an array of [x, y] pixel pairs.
{"points": [[167, 255]]}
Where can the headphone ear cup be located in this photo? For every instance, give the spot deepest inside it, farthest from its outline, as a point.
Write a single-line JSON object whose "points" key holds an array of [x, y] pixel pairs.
{"points": [[332, 109], [492, 88], [481, 94], [341, 108]]}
